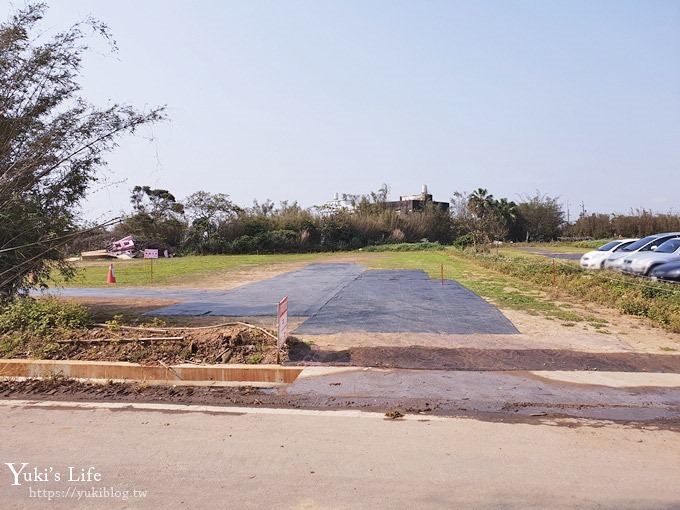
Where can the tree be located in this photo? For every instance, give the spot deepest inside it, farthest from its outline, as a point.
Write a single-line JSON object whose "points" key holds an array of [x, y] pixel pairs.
{"points": [[52, 143], [264, 209], [465, 221], [158, 218], [159, 204], [481, 203], [216, 207], [372, 203], [543, 217], [483, 218], [597, 226], [512, 220], [207, 211]]}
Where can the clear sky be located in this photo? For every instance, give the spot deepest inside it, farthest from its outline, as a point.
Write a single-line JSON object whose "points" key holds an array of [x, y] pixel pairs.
{"points": [[301, 99]]}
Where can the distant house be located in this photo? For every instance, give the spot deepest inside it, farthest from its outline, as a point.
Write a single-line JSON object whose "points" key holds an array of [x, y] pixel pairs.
{"points": [[405, 205], [413, 203], [336, 205]]}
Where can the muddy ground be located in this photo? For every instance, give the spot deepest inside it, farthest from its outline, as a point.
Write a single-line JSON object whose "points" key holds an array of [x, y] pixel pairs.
{"points": [[557, 413]]}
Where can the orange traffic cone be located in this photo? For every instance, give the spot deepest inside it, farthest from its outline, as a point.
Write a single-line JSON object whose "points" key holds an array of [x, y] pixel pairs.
{"points": [[111, 277]]}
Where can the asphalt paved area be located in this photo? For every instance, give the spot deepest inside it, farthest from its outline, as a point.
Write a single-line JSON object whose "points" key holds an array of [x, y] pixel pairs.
{"points": [[339, 298]]}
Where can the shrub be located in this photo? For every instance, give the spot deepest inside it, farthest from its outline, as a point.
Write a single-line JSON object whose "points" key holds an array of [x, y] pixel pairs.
{"points": [[656, 301], [42, 317], [422, 246]]}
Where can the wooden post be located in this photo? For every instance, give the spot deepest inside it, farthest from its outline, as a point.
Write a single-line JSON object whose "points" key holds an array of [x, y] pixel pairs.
{"points": [[554, 273]]}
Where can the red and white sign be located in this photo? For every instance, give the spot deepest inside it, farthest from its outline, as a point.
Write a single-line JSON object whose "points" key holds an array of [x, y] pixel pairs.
{"points": [[283, 321], [150, 254]]}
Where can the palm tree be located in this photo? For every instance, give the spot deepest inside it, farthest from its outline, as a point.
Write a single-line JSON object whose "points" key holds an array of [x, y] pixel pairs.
{"points": [[481, 202]]}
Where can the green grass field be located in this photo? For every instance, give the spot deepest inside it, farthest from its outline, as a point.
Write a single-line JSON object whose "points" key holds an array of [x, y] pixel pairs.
{"points": [[172, 271], [195, 269]]}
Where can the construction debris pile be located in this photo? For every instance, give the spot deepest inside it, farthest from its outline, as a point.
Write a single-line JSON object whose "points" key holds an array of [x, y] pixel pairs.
{"points": [[126, 248], [235, 342]]}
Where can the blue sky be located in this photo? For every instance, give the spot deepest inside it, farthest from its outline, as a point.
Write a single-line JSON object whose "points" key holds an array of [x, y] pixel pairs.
{"points": [[299, 100]]}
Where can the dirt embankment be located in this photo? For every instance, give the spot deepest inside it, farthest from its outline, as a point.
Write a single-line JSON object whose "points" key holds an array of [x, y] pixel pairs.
{"points": [[232, 342]]}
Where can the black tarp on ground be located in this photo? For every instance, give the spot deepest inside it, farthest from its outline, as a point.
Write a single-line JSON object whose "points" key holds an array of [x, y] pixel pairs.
{"points": [[340, 298]]}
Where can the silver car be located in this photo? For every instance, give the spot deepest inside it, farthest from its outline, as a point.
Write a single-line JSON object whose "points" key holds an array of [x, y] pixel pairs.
{"points": [[649, 243], [641, 263]]}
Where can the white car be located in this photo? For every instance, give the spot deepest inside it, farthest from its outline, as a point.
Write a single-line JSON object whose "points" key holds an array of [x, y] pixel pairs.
{"points": [[642, 263], [595, 259], [649, 243]]}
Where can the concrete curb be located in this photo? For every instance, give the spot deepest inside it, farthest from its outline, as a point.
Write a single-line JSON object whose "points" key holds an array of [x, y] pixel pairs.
{"points": [[183, 374]]}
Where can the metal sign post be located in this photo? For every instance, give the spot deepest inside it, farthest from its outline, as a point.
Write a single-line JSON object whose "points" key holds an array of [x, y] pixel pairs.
{"points": [[282, 326], [150, 255]]}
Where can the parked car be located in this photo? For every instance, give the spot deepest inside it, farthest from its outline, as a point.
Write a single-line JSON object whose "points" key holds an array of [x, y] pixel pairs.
{"points": [[641, 263], [595, 259], [670, 272], [649, 243]]}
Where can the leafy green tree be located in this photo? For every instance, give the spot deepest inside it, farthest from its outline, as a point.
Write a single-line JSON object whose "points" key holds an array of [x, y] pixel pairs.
{"points": [[512, 221], [158, 218], [597, 226], [159, 204], [543, 217], [481, 202], [481, 217], [52, 143], [208, 213], [215, 207]]}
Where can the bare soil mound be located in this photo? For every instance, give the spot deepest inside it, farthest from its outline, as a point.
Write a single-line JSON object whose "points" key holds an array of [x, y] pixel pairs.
{"points": [[225, 343]]}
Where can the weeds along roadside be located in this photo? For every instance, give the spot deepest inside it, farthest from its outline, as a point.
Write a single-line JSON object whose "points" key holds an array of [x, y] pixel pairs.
{"points": [[657, 301], [50, 328], [30, 325]]}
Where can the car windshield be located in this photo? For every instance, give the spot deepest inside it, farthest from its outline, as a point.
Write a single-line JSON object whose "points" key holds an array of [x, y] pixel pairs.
{"points": [[669, 246], [639, 244], [609, 246], [623, 245]]}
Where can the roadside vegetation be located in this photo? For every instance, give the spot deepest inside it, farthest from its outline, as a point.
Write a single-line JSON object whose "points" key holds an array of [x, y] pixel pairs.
{"points": [[48, 328], [657, 301], [29, 326]]}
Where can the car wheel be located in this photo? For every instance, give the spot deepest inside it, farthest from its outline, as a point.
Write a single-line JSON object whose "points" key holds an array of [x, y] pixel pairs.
{"points": [[651, 268]]}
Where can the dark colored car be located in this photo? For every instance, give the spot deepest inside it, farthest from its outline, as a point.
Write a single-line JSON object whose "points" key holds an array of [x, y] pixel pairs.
{"points": [[669, 271]]}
